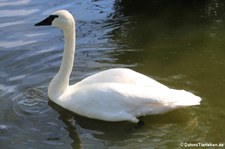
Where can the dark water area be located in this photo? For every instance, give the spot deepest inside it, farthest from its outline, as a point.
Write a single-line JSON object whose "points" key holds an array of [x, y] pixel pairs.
{"points": [[180, 44]]}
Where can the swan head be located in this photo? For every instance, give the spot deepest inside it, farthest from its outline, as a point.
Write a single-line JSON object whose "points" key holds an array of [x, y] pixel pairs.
{"points": [[61, 19]]}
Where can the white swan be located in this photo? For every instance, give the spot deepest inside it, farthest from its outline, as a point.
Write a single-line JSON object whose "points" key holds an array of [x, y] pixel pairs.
{"points": [[112, 95]]}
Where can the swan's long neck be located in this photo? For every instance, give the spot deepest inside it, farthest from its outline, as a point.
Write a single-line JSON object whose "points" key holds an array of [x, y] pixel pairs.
{"points": [[60, 82], [68, 55]]}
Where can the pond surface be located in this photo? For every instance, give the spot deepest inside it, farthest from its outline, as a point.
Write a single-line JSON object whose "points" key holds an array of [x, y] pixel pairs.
{"points": [[180, 44]]}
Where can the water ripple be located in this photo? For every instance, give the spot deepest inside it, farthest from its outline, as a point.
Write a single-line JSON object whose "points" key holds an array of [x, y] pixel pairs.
{"points": [[13, 3], [32, 102], [13, 13]]}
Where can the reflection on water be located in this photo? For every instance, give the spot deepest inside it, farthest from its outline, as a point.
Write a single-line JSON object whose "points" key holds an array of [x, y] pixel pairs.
{"points": [[180, 44]]}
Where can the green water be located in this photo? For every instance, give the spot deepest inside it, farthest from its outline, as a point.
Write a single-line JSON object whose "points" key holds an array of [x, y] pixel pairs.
{"points": [[180, 44]]}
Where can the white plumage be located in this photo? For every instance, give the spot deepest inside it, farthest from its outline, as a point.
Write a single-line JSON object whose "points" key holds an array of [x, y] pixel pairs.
{"points": [[117, 94]]}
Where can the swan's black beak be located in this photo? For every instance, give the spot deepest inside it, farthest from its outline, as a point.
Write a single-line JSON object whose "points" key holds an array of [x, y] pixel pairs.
{"points": [[47, 21]]}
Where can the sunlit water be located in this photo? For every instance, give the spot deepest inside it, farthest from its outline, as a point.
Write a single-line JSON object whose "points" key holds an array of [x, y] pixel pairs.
{"points": [[179, 44]]}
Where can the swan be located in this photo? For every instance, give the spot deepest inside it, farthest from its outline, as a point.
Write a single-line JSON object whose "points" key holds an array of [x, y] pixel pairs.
{"points": [[118, 94]]}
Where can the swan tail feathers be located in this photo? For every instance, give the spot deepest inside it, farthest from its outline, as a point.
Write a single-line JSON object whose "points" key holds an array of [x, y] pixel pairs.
{"points": [[185, 98]]}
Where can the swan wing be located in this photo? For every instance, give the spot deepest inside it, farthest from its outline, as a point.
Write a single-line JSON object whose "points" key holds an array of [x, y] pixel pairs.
{"points": [[119, 102]]}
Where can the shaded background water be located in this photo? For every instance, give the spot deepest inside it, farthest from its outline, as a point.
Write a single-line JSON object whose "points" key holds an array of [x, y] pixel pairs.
{"points": [[179, 43]]}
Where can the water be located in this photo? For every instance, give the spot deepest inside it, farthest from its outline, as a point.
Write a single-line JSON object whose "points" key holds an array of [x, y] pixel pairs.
{"points": [[180, 44]]}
